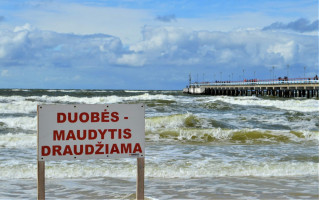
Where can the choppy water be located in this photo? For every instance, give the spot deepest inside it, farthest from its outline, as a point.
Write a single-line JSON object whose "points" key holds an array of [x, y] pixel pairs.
{"points": [[197, 147]]}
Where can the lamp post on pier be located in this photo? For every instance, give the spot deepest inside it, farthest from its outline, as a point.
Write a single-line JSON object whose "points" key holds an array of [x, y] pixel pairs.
{"points": [[273, 74], [243, 73]]}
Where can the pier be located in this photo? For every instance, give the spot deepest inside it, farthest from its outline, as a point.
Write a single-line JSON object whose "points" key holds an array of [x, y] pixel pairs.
{"points": [[300, 87]]}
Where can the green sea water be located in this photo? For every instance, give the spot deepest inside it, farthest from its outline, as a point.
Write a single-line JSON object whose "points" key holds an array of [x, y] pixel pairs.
{"points": [[197, 147]]}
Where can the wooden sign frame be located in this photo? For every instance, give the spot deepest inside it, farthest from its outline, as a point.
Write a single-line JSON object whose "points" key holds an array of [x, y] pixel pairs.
{"points": [[41, 172]]}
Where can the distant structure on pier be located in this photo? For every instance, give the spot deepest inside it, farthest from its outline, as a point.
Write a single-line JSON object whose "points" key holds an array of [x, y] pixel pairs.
{"points": [[281, 87]]}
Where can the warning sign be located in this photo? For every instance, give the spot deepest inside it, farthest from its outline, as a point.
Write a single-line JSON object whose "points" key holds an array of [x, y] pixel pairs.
{"points": [[71, 132]]}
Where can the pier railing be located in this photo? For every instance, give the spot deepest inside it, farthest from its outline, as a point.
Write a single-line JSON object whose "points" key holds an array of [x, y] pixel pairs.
{"points": [[258, 82]]}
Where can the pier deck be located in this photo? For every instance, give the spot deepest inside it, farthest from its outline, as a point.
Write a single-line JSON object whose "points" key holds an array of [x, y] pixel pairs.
{"points": [[290, 88]]}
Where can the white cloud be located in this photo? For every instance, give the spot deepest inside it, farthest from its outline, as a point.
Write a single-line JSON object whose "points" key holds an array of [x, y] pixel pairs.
{"points": [[26, 27], [172, 48], [76, 78], [131, 60], [79, 18], [2, 52], [75, 41], [24, 46], [177, 46], [287, 50], [4, 73]]}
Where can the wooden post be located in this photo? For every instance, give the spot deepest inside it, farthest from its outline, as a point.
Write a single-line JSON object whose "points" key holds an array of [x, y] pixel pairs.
{"points": [[41, 180], [41, 165], [140, 178]]}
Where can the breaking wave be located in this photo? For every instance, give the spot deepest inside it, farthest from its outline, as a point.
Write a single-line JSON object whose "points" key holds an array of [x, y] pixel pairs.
{"points": [[177, 169], [301, 105], [190, 128]]}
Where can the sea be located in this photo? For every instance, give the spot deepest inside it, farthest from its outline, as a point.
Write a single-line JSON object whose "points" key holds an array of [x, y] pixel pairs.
{"points": [[197, 147]]}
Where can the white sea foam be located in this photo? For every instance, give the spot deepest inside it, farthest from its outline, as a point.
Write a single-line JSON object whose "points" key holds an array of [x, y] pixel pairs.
{"points": [[24, 105], [173, 127], [305, 105], [18, 90], [19, 104], [248, 136], [61, 90], [147, 96], [22, 140], [134, 91], [178, 169], [178, 127], [19, 107], [107, 99], [26, 123], [19, 140], [172, 121], [216, 169]]}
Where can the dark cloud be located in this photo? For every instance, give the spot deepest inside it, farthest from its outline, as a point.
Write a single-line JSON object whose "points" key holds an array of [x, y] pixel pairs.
{"points": [[2, 18], [300, 25], [166, 18]]}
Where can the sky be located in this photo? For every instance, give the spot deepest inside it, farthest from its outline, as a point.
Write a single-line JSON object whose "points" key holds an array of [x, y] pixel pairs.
{"points": [[154, 45]]}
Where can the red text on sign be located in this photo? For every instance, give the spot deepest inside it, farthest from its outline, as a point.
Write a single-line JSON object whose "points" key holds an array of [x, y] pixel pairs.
{"points": [[92, 134], [85, 117], [89, 149]]}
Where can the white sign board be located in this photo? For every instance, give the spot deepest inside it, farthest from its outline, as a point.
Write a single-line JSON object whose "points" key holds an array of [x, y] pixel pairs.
{"points": [[72, 132]]}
